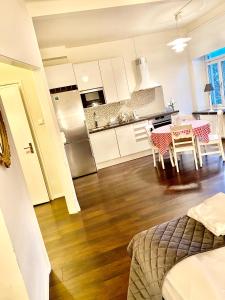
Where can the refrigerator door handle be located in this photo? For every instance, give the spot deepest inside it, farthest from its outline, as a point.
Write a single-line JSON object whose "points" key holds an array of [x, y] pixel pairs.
{"points": [[85, 124]]}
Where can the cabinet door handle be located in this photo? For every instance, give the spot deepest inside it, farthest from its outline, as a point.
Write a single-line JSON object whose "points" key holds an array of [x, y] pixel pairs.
{"points": [[30, 147]]}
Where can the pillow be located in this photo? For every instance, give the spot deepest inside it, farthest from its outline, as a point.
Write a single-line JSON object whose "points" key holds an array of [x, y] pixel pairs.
{"points": [[211, 213]]}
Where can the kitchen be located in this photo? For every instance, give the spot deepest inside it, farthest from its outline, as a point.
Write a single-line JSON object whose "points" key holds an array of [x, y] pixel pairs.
{"points": [[102, 123]]}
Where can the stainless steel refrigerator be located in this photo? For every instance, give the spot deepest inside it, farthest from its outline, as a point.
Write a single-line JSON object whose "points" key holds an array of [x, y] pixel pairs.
{"points": [[71, 119]]}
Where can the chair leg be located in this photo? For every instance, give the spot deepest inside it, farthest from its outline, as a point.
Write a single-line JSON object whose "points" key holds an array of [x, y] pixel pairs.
{"points": [[153, 154], [171, 157], [176, 161], [162, 161], [196, 162], [221, 150], [199, 153]]}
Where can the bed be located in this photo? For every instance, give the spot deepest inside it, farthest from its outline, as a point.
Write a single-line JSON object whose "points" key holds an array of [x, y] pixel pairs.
{"points": [[201, 276], [179, 260]]}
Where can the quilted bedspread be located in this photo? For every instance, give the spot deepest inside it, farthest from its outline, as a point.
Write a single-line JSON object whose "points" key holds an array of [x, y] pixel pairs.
{"points": [[155, 251]]}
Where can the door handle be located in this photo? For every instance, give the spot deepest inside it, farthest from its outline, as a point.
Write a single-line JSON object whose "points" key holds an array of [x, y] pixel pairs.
{"points": [[30, 147]]}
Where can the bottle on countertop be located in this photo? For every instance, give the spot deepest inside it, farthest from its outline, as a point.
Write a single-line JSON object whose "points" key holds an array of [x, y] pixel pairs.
{"points": [[95, 120], [135, 116]]}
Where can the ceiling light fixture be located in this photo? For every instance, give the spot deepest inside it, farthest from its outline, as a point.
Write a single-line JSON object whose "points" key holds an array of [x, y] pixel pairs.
{"points": [[180, 43]]}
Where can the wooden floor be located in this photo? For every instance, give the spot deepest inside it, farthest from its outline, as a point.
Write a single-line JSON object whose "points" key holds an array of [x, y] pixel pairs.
{"points": [[88, 250]]}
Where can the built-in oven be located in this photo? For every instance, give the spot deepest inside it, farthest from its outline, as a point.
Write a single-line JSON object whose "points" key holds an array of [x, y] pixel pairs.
{"points": [[92, 98], [161, 121]]}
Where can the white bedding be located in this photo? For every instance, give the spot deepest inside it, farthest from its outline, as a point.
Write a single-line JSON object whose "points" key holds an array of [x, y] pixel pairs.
{"points": [[211, 213], [199, 277]]}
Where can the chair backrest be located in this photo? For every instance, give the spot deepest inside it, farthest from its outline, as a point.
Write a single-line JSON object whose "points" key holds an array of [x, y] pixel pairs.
{"points": [[174, 119], [219, 123], [180, 118], [182, 135]]}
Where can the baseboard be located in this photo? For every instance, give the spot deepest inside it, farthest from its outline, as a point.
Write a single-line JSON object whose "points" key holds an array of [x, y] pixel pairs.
{"points": [[123, 159]]}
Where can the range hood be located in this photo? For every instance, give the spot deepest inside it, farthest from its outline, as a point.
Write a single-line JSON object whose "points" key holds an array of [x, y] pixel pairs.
{"points": [[144, 81]]}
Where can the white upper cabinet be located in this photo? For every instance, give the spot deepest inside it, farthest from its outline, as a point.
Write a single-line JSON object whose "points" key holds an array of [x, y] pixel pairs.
{"points": [[60, 76], [108, 80], [120, 78], [88, 75], [114, 79]]}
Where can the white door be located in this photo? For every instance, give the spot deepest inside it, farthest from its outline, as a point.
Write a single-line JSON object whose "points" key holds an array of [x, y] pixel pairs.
{"points": [[20, 130]]}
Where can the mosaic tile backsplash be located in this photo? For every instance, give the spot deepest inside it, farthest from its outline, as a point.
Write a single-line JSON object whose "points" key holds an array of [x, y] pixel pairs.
{"points": [[142, 102]]}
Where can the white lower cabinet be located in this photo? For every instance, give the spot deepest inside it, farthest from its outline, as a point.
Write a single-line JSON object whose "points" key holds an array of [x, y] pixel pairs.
{"points": [[119, 142], [132, 138], [104, 145]]}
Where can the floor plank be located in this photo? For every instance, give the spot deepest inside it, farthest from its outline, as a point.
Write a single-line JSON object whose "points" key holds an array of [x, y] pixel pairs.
{"points": [[88, 250]]}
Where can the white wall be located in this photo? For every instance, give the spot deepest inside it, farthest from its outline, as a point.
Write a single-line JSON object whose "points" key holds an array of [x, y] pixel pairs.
{"points": [[11, 282], [166, 67], [199, 79], [207, 37], [58, 154], [17, 36], [23, 230], [18, 42]]}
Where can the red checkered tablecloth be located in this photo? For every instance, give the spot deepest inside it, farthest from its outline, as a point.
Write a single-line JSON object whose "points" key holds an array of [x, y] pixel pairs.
{"points": [[162, 138]]}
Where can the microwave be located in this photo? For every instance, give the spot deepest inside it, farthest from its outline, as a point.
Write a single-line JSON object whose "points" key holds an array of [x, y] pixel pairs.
{"points": [[92, 98]]}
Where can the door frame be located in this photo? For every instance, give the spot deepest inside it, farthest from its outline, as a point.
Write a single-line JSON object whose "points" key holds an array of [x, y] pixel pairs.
{"points": [[20, 87]]}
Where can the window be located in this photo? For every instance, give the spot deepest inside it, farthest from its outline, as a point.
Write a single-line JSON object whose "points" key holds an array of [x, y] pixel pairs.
{"points": [[216, 53], [216, 75]]}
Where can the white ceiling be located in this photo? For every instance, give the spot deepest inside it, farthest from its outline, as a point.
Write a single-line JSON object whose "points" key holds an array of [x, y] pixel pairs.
{"points": [[102, 25]]}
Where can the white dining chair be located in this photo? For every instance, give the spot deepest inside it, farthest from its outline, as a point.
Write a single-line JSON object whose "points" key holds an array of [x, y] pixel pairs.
{"points": [[178, 119], [149, 128], [215, 141], [182, 141]]}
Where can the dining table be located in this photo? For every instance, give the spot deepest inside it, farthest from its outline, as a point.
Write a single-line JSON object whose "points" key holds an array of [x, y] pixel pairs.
{"points": [[162, 137]]}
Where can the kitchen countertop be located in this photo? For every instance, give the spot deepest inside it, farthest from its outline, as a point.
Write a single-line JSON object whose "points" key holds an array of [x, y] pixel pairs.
{"points": [[148, 117], [208, 111]]}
